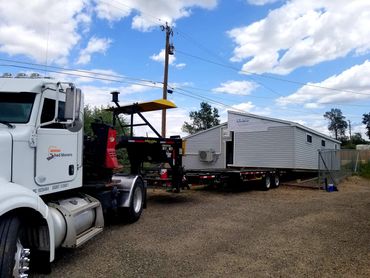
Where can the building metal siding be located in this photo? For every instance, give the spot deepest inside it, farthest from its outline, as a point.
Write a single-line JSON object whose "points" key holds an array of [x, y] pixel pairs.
{"points": [[273, 148], [205, 141], [306, 154]]}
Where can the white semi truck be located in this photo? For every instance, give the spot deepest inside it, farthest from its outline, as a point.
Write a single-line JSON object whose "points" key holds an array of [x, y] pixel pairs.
{"points": [[45, 202]]}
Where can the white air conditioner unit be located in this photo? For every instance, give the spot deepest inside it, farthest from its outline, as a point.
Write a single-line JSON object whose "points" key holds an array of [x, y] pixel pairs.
{"points": [[206, 156]]}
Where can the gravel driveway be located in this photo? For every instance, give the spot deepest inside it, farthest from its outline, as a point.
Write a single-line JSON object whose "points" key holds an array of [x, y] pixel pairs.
{"points": [[284, 232]]}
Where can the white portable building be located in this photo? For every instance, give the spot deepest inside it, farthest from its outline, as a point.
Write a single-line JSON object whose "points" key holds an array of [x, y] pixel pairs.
{"points": [[248, 140]]}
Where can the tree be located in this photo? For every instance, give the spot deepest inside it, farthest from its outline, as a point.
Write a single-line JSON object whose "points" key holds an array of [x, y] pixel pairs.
{"points": [[337, 123], [203, 119], [366, 121], [92, 114], [357, 139]]}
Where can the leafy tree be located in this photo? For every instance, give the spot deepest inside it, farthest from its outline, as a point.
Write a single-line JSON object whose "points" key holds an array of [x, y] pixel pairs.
{"points": [[93, 114], [337, 123], [366, 121], [357, 139], [203, 119], [101, 114]]}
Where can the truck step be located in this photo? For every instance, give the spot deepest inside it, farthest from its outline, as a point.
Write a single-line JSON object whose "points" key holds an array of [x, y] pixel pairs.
{"points": [[85, 236]]}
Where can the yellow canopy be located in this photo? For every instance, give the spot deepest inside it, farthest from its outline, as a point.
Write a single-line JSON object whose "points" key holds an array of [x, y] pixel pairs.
{"points": [[154, 105]]}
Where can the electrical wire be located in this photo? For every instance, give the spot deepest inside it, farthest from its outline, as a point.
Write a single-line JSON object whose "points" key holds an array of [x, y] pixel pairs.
{"points": [[153, 84], [80, 75], [268, 76], [82, 71]]}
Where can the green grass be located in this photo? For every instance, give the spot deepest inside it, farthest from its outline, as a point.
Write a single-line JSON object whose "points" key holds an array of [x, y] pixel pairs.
{"points": [[365, 170]]}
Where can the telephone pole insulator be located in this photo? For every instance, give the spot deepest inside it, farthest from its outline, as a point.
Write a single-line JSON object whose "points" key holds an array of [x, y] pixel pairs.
{"points": [[169, 50]]}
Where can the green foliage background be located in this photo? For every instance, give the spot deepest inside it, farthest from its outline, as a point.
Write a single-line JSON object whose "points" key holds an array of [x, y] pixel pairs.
{"points": [[101, 114], [202, 119]]}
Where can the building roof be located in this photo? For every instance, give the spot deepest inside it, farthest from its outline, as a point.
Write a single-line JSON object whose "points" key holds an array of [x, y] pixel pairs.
{"points": [[203, 131]]}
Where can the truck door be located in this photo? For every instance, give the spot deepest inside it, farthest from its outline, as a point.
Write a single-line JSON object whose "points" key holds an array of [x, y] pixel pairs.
{"points": [[57, 148]]}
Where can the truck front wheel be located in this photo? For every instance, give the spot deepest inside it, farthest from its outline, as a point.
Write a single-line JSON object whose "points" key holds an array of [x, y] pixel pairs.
{"points": [[14, 258], [133, 212]]}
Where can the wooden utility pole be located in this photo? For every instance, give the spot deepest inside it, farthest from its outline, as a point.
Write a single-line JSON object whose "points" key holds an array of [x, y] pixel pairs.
{"points": [[350, 130], [168, 51]]}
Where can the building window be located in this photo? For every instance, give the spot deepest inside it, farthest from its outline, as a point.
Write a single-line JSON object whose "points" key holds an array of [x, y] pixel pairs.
{"points": [[309, 138], [323, 143]]}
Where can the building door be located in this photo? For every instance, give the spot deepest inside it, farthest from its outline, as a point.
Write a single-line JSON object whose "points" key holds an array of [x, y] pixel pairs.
{"points": [[230, 150]]}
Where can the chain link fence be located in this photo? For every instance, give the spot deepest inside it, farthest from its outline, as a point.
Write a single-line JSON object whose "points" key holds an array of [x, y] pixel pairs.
{"points": [[334, 165]]}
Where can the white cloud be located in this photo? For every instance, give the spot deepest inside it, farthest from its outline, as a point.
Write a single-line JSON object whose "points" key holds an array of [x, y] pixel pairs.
{"points": [[249, 107], [95, 45], [355, 79], [41, 30], [245, 106], [160, 57], [261, 2], [149, 11], [100, 95], [303, 33], [236, 87], [180, 65], [175, 119]]}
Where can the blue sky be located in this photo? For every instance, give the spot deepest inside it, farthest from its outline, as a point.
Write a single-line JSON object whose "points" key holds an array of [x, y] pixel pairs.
{"points": [[291, 60]]}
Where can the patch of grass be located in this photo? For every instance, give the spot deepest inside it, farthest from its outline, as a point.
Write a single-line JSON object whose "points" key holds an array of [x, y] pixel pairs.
{"points": [[365, 170]]}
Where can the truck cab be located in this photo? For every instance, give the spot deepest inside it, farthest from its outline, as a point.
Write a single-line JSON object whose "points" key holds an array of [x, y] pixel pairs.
{"points": [[40, 149], [44, 203]]}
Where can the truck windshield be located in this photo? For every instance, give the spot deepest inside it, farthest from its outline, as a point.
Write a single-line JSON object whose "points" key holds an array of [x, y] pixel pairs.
{"points": [[16, 107]]}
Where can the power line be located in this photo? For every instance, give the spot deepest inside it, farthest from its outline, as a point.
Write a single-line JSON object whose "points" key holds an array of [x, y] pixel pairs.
{"points": [[80, 75], [269, 76], [261, 97], [145, 14], [112, 78], [202, 97], [82, 71]]}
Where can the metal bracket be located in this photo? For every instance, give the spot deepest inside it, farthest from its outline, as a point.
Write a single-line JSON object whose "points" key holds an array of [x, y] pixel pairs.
{"points": [[33, 139]]}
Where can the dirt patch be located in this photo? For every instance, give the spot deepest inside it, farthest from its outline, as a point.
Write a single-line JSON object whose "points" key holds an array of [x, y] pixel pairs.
{"points": [[284, 232]]}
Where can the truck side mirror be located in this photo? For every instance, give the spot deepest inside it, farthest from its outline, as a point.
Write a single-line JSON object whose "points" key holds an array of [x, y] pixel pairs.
{"points": [[73, 104]]}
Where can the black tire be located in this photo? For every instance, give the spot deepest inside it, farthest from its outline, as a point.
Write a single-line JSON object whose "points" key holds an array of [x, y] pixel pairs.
{"points": [[133, 212], [266, 183], [10, 247], [276, 181]]}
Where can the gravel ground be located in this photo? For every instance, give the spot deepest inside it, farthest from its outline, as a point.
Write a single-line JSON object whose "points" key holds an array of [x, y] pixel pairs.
{"points": [[285, 232]]}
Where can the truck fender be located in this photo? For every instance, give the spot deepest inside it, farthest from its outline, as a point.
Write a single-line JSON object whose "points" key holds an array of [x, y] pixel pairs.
{"points": [[126, 184], [14, 196]]}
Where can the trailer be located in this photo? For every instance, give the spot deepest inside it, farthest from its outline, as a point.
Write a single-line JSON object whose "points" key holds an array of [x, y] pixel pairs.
{"points": [[57, 185], [250, 147], [166, 153]]}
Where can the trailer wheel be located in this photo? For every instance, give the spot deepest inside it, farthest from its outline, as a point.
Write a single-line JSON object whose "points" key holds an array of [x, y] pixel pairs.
{"points": [[266, 185], [14, 258], [133, 212], [276, 181]]}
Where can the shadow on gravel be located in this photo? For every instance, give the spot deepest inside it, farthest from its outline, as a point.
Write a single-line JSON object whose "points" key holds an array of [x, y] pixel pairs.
{"points": [[230, 189], [170, 198]]}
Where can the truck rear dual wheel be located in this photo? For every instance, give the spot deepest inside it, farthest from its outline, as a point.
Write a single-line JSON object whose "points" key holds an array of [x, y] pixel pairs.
{"points": [[266, 183], [133, 212], [14, 257], [276, 181]]}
